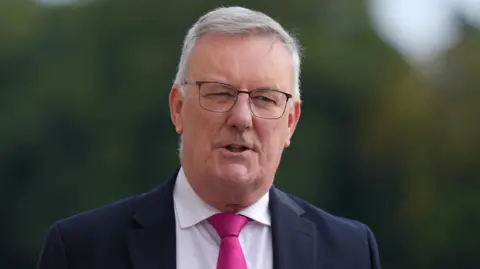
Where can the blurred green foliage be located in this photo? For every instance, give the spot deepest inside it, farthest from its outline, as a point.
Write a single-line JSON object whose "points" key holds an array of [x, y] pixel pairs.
{"points": [[84, 121]]}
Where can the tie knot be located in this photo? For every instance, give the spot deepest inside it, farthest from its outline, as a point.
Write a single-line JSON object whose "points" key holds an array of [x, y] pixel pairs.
{"points": [[228, 224]]}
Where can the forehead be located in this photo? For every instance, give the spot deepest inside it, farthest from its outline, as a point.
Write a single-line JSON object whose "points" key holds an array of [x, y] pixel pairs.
{"points": [[246, 61]]}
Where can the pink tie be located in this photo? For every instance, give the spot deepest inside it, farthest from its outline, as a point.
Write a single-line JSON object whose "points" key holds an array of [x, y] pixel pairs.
{"points": [[228, 227]]}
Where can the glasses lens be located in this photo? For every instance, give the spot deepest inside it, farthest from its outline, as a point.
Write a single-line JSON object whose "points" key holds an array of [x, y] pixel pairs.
{"points": [[268, 103], [217, 97]]}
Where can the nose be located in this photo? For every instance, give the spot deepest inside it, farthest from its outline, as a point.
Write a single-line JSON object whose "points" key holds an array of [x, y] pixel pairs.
{"points": [[240, 115]]}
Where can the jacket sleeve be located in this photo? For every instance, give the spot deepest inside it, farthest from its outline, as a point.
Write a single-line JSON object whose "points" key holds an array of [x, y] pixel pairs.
{"points": [[374, 254], [53, 254]]}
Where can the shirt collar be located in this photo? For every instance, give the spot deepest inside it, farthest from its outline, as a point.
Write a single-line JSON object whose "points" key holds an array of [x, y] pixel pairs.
{"points": [[191, 209]]}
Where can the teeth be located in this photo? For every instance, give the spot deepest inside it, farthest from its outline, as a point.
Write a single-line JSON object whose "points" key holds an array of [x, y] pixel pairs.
{"points": [[236, 148]]}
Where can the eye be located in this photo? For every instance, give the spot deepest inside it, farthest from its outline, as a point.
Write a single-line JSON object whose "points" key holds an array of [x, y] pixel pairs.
{"points": [[267, 97], [224, 93], [264, 99], [217, 90]]}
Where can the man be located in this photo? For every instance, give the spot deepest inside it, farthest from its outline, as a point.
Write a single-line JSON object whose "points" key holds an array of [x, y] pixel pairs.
{"points": [[235, 103]]}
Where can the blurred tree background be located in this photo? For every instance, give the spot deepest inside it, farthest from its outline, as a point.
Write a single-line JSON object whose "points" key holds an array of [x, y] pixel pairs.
{"points": [[85, 121]]}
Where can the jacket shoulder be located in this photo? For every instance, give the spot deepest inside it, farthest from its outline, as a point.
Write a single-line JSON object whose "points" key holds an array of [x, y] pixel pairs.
{"points": [[341, 233], [324, 218], [344, 237], [117, 212]]}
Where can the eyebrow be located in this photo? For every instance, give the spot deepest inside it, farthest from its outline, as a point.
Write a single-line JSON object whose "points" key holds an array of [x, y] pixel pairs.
{"points": [[267, 88], [263, 87]]}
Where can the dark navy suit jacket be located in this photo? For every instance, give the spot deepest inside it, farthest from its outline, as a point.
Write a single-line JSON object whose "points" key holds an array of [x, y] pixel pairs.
{"points": [[139, 233]]}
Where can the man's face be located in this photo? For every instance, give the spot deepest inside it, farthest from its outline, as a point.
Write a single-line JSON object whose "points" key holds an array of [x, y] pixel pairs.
{"points": [[246, 62]]}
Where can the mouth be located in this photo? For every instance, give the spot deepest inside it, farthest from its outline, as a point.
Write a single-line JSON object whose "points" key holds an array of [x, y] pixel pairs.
{"points": [[236, 148]]}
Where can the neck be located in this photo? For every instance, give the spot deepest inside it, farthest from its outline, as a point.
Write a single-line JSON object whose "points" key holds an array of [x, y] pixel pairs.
{"points": [[225, 199]]}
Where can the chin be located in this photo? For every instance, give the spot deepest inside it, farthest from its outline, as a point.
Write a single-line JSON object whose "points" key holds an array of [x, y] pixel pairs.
{"points": [[235, 172]]}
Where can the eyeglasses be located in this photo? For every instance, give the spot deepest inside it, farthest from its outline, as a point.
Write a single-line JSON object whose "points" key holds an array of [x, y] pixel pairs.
{"points": [[220, 97]]}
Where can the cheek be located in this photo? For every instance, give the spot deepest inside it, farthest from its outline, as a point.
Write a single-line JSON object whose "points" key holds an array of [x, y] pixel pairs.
{"points": [[272, 138], [202, 127], [193, 116], [194, 134]]}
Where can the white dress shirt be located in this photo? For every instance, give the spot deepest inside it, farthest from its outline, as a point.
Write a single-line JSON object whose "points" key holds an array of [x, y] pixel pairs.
{"points": [[197, 241]]}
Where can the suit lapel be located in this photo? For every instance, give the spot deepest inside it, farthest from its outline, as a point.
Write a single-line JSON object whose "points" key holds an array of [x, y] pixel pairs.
{"points": [[153, 243], [293, 237]]}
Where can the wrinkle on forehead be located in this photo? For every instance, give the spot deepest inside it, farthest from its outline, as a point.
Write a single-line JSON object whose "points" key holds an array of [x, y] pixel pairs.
{"points": [[243, 61]]}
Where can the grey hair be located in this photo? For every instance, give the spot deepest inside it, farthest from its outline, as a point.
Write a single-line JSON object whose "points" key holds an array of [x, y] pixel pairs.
{"points": [[239, 21]]}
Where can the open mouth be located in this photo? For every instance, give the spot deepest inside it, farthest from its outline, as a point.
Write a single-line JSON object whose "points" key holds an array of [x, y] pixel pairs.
{"points": [[236, 148]]}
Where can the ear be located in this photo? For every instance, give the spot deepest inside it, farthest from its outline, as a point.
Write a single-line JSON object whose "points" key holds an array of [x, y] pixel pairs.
{"points": [[293, 117], [176, 104]]}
